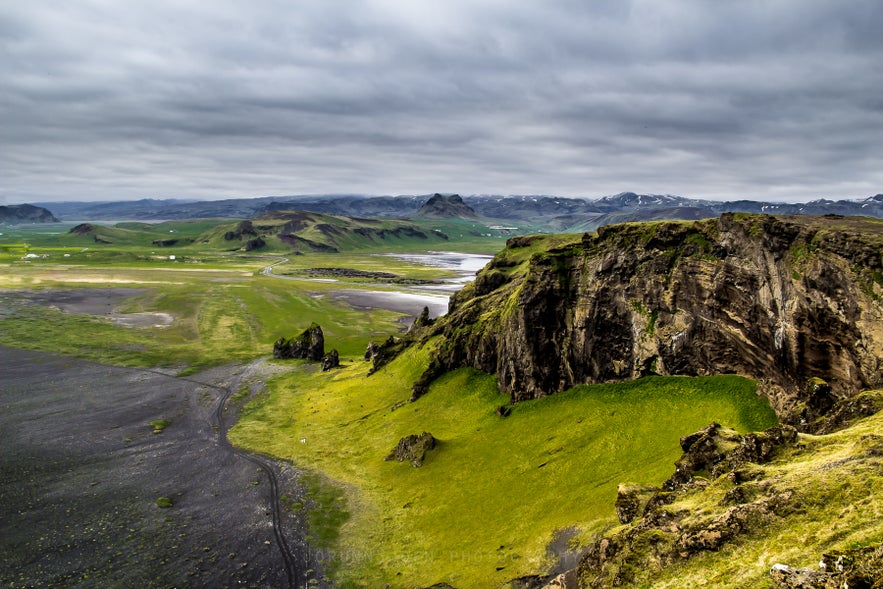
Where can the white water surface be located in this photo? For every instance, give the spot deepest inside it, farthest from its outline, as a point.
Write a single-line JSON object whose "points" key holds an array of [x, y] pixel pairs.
{"points": [[409, 299]]}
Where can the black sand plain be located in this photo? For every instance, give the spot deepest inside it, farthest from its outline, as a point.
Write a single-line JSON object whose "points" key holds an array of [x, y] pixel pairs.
{"points": [[81, 471]]}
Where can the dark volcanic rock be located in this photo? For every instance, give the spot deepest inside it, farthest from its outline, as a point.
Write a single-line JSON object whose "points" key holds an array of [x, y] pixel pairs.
{"points": [[382, 354], [330, 360], [421, 320], [848, 411], [778, 299], [714, 450], [253, 244], [413, 449], [243, 229], [310, 345]]}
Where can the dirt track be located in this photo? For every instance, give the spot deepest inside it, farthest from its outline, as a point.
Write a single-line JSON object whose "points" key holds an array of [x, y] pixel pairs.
{"points": [[81, 470]]}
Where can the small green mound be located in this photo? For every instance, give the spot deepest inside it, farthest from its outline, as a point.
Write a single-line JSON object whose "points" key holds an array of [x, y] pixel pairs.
{"points": [[159, 425], [164, 502]]}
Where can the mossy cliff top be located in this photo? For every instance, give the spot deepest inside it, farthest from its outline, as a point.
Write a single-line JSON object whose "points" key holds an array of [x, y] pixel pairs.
{"points": [[778, 299]]}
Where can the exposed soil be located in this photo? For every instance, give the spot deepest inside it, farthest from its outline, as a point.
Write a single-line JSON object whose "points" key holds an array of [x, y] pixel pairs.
{"points": [[100, 302], [401, 302], [78, 301], [82, 470]]}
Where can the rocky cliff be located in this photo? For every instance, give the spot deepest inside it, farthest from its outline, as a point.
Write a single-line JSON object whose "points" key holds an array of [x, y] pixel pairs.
{"points": [[779, 299]]}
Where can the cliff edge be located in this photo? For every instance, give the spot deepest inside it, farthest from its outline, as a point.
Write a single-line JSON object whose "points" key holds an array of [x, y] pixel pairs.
{"points": [[782, 300]]}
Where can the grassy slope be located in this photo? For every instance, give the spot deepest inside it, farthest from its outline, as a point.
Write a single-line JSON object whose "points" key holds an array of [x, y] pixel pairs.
{"points": [[486, 503]]}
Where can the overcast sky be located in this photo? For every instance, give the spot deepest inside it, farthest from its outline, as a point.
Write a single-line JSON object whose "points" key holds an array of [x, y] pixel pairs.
{"points": [[120, 99]]}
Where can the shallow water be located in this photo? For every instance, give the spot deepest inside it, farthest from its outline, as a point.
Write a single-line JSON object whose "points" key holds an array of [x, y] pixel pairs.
{"points": [[412, 299]]}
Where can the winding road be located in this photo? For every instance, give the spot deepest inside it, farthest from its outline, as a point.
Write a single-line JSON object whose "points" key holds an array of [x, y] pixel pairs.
{"points": [[292, 572]]}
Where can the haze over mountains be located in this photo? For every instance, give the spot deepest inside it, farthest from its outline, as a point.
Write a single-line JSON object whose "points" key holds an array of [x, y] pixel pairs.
{"points": [[543, 212]]}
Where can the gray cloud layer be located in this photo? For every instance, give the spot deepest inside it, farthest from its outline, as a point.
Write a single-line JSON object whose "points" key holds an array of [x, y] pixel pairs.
{"points": [[777, 100]]}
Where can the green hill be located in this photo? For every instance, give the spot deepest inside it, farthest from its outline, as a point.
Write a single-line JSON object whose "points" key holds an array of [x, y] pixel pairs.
{"points": [[305, 232]]}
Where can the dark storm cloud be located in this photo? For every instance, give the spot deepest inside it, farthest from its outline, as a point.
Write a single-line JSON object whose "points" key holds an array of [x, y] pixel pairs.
{"points": [[775, 100]]}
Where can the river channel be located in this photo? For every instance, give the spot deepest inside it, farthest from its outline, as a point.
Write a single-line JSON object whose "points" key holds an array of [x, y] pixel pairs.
{"points": [[411, 299]]}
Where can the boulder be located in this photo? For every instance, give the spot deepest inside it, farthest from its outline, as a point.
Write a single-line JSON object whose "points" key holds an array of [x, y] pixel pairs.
{"points": [[309, 345], [413, 449], [330, 360]]}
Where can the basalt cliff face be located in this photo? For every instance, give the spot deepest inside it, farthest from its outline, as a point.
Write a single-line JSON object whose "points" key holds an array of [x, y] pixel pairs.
{"points": [[779, 299]]}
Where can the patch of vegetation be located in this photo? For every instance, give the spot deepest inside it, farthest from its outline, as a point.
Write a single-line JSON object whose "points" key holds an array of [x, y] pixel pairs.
{"points": [[326, 511], [652, 316], [485, 504], [241, 395], [164, 502], [159, 425]]}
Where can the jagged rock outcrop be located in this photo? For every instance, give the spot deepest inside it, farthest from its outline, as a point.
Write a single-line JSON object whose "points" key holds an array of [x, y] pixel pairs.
{"points": [[413, 449], [848, 411], [715, 449], [632, 500], [422, 320], [309, 345], [381, 355], [779, 299]]}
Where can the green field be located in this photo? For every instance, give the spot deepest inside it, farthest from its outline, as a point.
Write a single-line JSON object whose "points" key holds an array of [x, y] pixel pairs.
{"points": [[492, 495], [224, 309]]}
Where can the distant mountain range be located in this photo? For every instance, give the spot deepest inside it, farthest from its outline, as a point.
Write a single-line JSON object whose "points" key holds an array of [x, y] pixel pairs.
{"points": [[547, 213]]}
